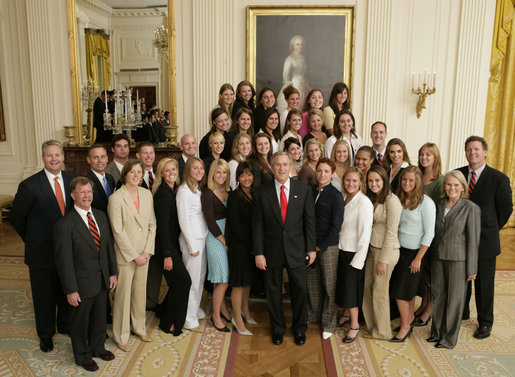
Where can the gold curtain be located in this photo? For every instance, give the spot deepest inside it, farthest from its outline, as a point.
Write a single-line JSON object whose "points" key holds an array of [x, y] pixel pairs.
{"points": [[97, 45], [500, 105]]}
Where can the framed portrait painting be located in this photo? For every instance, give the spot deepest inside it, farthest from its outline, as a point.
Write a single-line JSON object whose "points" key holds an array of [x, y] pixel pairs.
{"points": [[307, 47]]}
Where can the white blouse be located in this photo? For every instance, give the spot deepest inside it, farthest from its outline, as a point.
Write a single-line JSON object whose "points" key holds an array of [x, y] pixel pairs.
{"points": [[191, 219]]}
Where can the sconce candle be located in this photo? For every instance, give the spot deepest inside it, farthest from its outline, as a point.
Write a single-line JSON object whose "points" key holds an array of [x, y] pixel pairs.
{"points": [[422, 91]]}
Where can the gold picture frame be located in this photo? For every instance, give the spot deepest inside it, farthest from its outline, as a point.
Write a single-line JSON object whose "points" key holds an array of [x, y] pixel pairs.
{"points": [[328, 44], [2, 121]]}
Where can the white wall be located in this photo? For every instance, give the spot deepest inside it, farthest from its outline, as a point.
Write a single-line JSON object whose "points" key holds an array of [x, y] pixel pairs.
{"points": [[392, 38]]}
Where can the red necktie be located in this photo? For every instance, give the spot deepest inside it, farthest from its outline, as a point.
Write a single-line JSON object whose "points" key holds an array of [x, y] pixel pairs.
{"points": [[59, 196], [380, 159], [94, 231], [284, 204], [150, 179], [472, 183]]}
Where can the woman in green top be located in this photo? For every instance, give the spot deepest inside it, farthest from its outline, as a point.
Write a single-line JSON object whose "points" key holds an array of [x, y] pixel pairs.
{"points": [[430, 163]]}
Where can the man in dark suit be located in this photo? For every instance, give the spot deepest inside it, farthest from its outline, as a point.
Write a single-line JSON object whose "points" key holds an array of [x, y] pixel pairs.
{"points": [[86, 264], [378, 134], [103, 183], [41, 200], [189, 149], [99, 107], [284, 233], [490, 190], [120, 149], [146, 154]]}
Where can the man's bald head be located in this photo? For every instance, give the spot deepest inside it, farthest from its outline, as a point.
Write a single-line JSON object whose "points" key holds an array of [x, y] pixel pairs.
{"points": [[189, 145]]}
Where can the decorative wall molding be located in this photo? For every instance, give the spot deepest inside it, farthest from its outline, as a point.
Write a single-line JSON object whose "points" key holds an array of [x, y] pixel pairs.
{"points": [[139, 12], [97, 6]]}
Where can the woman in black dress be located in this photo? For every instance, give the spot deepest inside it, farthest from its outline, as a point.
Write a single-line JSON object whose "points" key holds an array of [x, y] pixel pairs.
{"points": [[239, 240], [245, 94], [395, 161], [175, 304], [260, 160], [219, 122]]}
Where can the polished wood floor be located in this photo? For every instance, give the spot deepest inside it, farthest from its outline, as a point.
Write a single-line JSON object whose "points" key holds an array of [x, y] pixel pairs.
{"points": [[256, 355]]}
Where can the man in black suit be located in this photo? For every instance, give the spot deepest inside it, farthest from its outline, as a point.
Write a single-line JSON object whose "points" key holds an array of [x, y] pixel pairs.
{"points": [[490, 190], [103, 183], [284, 233], [189, 149], [41, 200], [146, 154], [120, 148], [378, 134], [86, 264], [99, 107]]}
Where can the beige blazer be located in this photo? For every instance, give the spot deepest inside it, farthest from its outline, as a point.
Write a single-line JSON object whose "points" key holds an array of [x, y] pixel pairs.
{"points": [[134, 233], [386, 226]]}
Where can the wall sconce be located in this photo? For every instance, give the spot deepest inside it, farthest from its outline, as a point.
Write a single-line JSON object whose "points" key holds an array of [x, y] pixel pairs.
{"points": [[428, 87]]}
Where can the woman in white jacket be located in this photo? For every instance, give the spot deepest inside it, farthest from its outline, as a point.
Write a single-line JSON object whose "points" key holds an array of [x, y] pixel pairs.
{"points": [[192, 240], [354, 241]]}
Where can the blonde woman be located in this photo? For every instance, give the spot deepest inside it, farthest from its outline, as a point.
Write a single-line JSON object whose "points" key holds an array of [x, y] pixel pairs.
{"points": [[341, 156], [241, 151], [312, 154]]}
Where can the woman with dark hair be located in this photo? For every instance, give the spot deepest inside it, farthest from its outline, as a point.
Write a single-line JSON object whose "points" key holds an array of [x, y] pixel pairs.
{"points": [[214, 202], [383, 253], [242, 123], [312, 154], [241, 151], [314, 100], [293, 124], [239, 240], [293, 148], [338, 100], [354, 240], [216, 146], [270, 126], [316, 127], [261, 159], [226, 98], [292, 97], [416, 231], [245, 93], [344, 128], [133, 223], [395, 161], [265, 100], [341, 156], [455, 260], [430, 164], [364, 158], [175, 304], [329, 208], [192, 239], [220, 123]]}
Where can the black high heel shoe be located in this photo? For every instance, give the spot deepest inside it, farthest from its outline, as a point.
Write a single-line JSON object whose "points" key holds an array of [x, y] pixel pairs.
{"points": [[398, 328], [419, 322], [348, 339], [223, 329], [401, 340]]}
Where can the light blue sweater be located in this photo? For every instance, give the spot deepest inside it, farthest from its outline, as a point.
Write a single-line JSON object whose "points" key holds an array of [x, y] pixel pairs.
{"points": [[417, 227]]}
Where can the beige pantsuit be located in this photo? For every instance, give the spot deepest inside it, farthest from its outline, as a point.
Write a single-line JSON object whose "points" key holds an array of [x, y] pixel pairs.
{"points": [[384, 248], [134, 233]]}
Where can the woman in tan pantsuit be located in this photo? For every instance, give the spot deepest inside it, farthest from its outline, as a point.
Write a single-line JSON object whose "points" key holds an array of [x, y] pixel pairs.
{"points": [[131, 213], [383, 254], [455, 258]]}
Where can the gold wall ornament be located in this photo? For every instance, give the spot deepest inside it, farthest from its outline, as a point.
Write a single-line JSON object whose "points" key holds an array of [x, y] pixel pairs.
{"points": [[74, 68], [172, 73], [428, 87], [70, 134]]}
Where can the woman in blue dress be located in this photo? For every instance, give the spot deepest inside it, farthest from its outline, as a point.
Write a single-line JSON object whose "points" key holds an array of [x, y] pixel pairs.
{"points": [[214, 203]]}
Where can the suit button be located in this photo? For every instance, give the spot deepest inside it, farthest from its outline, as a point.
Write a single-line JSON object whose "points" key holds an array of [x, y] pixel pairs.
{"points": [[140, 229]]}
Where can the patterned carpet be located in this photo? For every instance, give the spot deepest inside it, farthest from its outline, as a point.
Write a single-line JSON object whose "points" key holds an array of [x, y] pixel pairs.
{"points": [[191, 354], [494, 356]]}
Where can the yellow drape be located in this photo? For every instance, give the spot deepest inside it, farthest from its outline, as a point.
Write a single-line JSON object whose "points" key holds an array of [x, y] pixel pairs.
{"points": [[500, 121], [98, 46]]}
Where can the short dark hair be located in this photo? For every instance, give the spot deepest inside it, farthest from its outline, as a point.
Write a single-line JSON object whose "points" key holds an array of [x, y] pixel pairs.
{"points": [[379, 122], [140, 146], [289, 141], [95, 146], [79, 181], [119, 137], [370, 150], [471, 139]]}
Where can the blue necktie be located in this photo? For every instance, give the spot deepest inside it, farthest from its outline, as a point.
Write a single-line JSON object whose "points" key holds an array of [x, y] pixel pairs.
{"points": [[106, 187]]}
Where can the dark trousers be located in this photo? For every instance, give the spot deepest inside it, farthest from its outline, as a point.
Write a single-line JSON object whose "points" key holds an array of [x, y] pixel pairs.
{"points": [[175, 303], [46, 295], [88, 327], [484, 290], [297, 278], [154, 278]]}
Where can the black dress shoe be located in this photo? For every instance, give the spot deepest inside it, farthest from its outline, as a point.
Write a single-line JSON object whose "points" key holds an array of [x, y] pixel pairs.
{"points": [[277, 339], [439, 345], [300, 339], [419, 322], [482, 332], [106, 355], [46, 344], [90, 365], [433, 339]]}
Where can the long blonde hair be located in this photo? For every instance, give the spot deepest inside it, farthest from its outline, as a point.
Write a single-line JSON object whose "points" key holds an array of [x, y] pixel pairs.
{"points": [[187, 175], [335, 147], [159, 176], [220, 163]]}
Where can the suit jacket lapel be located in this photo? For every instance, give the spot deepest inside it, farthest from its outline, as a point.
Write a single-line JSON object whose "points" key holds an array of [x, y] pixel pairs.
{"points": [[98, 184], [129, 204], [271, 194], [83, 230], [49, 193]]}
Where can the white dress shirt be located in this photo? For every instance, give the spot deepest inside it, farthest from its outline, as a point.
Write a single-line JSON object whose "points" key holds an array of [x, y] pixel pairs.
{"points": [[51, 180], [286, 190]]}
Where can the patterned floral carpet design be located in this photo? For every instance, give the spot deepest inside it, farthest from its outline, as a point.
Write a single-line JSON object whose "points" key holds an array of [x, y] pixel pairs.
{"points": [[471, 357], [191, 354]]}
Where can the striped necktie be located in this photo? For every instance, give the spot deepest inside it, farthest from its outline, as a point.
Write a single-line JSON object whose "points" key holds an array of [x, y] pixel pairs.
{"points": [[472, 183], [380, 159], [150, 179], [94, 231]]}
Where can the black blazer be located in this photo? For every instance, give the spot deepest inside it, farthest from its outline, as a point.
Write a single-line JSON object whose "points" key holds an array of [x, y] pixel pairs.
{"points": [[182, 164], [100, 198], [33, 215], [288, 242], [329, 210], [493, 195], [204, 150], [168, 230], [80, 266]]}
